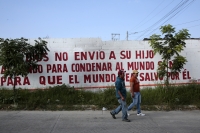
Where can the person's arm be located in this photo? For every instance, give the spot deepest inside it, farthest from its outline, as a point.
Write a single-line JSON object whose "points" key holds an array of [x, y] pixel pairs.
{"points": [[118, 87], [121, 95], [131, 88]]}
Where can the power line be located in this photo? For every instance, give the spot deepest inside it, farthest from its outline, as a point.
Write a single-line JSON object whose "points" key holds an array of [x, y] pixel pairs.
{"points": [[175, 25], [193, 26], [172, 16], [167, 15], [187, 22], [149, 14], [127, 34], [181, 12], [157, 13]]}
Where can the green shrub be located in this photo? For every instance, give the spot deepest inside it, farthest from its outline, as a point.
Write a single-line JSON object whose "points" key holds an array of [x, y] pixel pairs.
{"points": [[64, 97]]}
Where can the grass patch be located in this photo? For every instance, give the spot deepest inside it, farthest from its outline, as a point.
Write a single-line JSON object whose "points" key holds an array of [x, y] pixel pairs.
{"points": [[64, 97]]}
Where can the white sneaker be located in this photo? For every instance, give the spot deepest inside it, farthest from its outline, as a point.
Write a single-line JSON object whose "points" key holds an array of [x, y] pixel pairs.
{"points": [[128, 113], [140, 114]]}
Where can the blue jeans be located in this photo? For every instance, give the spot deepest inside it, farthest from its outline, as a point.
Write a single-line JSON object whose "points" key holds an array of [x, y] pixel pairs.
{"points": [[136, 101], [122, 107]]}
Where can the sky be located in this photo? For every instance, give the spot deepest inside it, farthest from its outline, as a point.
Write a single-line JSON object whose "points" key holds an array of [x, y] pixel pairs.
{"points": [[105, 19]]}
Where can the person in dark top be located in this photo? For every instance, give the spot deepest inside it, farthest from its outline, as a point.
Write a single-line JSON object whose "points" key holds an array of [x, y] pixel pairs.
{"points": [[121, 97]]}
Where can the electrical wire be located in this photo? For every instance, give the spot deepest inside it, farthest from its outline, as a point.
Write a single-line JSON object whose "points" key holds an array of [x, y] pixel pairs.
{"points": [[176, 25], [157, 13], [182, 3], [171, 17], [148, 15]]}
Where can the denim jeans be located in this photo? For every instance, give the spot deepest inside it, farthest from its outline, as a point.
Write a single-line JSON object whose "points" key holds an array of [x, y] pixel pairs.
{"points": [[136, 101], [122, 107]]}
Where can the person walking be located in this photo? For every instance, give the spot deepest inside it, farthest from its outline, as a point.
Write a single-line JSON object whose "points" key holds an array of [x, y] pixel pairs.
{"points": [[135, 93], [121, 97]]}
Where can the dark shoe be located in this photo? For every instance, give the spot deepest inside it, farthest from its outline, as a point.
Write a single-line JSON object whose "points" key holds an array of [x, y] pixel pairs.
{"points": [[113, 116], [126, 120]]}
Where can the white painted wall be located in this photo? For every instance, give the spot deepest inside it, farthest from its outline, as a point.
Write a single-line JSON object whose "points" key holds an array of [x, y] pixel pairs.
{"points": [[108, 53]]}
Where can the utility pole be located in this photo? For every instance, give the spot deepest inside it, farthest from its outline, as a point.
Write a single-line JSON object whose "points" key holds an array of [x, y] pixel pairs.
{"points": [[129, 34]]}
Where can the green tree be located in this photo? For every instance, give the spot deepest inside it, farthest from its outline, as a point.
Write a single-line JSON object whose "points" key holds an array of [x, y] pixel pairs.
{"points": [[169, 46], [17, 57]]}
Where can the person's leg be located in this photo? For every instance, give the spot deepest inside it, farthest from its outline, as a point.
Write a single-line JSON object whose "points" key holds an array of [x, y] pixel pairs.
{"points": [[135, 100], [139, 113], [131, 105], [118, 109], [124, 111], [138, 103]]}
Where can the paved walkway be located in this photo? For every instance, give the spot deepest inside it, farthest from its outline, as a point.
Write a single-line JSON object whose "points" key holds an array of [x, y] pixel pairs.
{"points": [[98, 122]]}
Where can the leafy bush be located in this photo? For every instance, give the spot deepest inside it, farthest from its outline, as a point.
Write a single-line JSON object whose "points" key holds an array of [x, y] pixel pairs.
{"points": [[64, 97]]}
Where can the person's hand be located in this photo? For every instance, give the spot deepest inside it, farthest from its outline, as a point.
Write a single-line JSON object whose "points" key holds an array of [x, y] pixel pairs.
{"points": [[133, 95], [123, 99]]}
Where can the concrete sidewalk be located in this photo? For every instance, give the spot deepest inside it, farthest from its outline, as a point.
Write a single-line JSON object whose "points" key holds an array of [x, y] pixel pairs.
{"points": [[98, 122]]}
